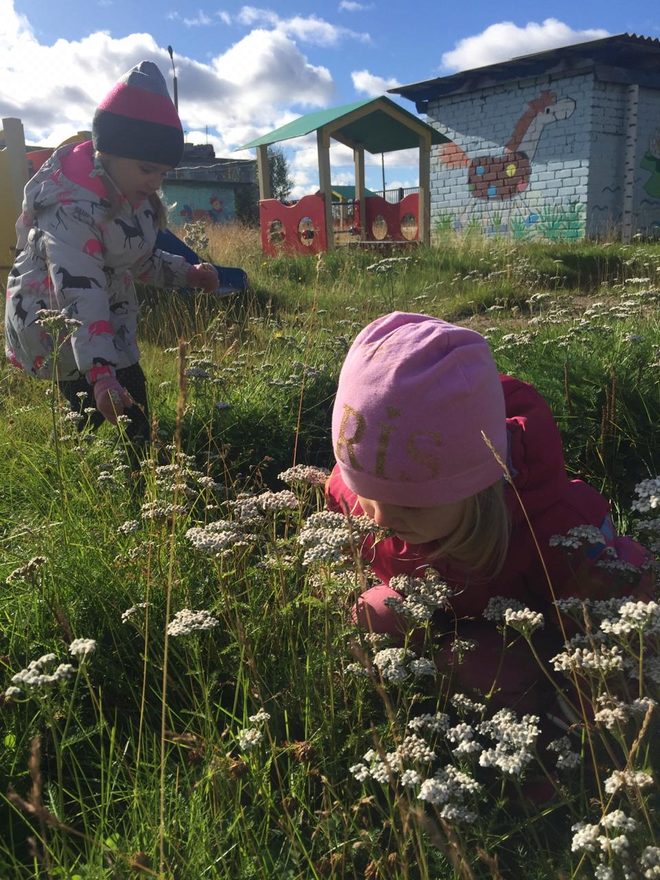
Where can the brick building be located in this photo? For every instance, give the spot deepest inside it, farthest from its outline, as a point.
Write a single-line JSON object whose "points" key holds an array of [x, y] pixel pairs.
{"points": [[561, 144]]}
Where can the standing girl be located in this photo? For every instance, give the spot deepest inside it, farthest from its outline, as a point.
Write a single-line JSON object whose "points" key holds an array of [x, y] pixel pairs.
{"points": [[423, 427], [87, 231]]}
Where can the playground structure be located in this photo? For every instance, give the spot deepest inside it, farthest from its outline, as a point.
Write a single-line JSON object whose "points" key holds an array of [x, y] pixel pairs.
{"points": [[317, 223], [18, 163]]}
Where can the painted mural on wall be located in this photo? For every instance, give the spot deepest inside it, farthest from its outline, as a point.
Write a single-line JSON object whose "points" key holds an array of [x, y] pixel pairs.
{"points": [[210, 204], [651, 163], [506, 175], [502, 180]]}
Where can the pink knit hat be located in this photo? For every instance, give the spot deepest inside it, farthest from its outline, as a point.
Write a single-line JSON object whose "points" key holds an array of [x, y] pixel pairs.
{"points": [[137, 119], [414, 395]]}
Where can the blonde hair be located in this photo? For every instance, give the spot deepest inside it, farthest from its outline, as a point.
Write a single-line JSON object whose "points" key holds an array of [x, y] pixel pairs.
{"points": [[480, 542]]}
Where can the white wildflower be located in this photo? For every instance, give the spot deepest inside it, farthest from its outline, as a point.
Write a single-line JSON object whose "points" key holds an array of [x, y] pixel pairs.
{"points": [[514, 741], [82, 647], [648, 495], [618, 821], [360, 772], [284, 500], [578, 536], [604, 660], [260, 718], [433, 723], [131, 525], [249, 739], [186, 622], [524, 621], [650, 862], [34, 675], [628, 779], [126, 615], [410, 778], [567, 759], [585, 837], [13, 691], [498, 606], [303, 473]]}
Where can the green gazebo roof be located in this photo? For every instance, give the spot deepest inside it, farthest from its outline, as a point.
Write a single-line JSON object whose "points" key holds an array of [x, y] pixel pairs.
{"points": [[382, 129]]}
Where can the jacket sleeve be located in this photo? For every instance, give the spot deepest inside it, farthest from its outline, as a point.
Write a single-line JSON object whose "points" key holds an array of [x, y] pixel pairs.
{"points": [[163, 269], [599, 566], [72, 245]]}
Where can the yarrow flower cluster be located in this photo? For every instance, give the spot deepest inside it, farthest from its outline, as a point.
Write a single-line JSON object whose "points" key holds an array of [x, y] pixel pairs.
{"points": [[422, 597], [219, 536], [603, 659], [648, 495], [34, 677], [284, 500], [130, 612], [498, 606], [524, 620], [578, 537], [250, 737], [82, 648], [634, 617], [567, 759], [303, 473], [327, 536], [396, 665], [514, 741], [186, 622]]}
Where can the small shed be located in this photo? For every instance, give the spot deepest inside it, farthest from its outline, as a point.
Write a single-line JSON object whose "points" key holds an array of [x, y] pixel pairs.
{"points": [[377, 125], [559, 144]]}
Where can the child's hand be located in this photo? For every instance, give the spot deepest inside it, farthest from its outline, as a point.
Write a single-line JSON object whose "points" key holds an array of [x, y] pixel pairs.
{"points": [[204, 276], [111, 398]]}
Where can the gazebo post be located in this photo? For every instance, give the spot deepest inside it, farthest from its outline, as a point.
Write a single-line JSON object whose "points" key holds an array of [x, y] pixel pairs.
{"points": [[325, 186], [358, 158], [263, 172], [424, 233]]}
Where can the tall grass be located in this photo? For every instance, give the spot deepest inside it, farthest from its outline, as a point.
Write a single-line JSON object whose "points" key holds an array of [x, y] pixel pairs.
{"points": [[230, 742]]}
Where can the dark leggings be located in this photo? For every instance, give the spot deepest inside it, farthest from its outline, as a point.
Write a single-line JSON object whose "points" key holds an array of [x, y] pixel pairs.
{"points": [[138, 431]]}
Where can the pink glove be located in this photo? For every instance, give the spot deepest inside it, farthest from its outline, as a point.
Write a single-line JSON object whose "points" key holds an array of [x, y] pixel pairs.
{"points": [[111, 398], [204, 276]]}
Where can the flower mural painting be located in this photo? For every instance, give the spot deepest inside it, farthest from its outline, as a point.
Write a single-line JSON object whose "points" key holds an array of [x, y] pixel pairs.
{"points": [[504, 176]]}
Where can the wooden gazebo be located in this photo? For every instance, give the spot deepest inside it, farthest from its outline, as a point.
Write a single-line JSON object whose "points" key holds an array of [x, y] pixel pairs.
{"points": [[377, 125]]}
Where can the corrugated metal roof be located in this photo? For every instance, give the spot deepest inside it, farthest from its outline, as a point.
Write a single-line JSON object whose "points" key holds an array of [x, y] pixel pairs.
{"points": [[624, 51], [384, 128]]}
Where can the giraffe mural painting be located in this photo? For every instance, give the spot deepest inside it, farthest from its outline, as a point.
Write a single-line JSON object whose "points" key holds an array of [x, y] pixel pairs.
{"points": [[504, 176]]}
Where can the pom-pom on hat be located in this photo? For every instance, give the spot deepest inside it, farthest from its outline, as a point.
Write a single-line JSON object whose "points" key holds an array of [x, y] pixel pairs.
{"points": [[138, 120], [415, 394]]}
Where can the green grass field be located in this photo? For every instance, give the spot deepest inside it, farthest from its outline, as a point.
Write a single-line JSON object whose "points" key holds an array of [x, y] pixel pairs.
{"points": [[227, 720]]}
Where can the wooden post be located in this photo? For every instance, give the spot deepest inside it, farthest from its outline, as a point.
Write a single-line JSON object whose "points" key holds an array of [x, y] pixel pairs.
{"points": [[358, 158], [263, 173], [325, 186], [13, 177], [424, 229]]}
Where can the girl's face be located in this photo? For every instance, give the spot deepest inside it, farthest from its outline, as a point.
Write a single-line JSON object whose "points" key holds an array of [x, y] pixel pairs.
{"points": [[415, 525], [136, 179]]}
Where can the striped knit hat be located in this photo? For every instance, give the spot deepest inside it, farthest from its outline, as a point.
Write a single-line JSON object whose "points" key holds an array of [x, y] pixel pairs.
{"points": [[137, 119]]}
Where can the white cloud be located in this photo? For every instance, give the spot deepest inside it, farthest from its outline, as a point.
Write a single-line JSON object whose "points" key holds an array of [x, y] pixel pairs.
{"points": [[370, 84], [505, 40], [258, 84], [308, 29], [200, 20], [351, 6]]}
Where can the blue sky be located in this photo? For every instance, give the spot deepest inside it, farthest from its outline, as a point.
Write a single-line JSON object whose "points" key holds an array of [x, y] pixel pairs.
{"points": [[244, 70]]}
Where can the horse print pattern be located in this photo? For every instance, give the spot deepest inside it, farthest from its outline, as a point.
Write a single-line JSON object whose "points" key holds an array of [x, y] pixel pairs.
{"points": [[73, 257]]}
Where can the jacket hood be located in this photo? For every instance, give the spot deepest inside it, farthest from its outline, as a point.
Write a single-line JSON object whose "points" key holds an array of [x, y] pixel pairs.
{"points": [[536, 457], [66, 176]]}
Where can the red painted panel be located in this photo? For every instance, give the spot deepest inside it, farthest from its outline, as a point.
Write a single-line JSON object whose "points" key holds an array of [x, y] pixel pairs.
{"points": [[391, 213], [298, 228]]}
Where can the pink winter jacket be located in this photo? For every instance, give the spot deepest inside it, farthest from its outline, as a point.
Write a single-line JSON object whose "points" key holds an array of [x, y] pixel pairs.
{"points": [[554, 504]]}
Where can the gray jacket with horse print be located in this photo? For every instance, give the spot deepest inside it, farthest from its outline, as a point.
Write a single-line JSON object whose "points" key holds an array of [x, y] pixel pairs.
{"points": [[71, 257]]}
